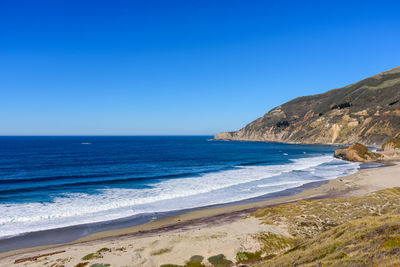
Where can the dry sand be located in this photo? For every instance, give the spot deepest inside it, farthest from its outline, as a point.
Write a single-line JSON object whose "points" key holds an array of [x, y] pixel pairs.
{"points": [[204, 232]]}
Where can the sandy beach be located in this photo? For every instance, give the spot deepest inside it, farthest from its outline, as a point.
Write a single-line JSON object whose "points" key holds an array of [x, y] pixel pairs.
{"points": [[206, 232]]}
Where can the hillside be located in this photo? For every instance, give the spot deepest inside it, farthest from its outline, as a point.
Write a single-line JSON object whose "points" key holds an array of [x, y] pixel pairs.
{"points": [[370, 241], [367, 112], [352, 231]]}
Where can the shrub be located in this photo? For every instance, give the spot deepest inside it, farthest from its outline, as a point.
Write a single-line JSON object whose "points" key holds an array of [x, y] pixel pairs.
{"points": [[342, 105], [195, 261], [219, 261], [103, 250], [245, 257], [195, 258], [194, 264], [91, 256]]}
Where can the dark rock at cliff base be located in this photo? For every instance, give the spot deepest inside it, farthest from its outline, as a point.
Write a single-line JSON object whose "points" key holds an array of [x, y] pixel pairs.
{"points": [[357, 153], [366, 112]]}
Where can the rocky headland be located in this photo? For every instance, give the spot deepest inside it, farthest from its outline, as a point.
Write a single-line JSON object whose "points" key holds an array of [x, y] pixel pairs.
{"points": [[366, 112]]}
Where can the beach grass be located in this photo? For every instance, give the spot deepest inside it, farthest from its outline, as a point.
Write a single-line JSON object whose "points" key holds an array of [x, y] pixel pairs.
{"points": [[343, 231], [247, 257], [308, 218], [370, 241], [346, 231]]}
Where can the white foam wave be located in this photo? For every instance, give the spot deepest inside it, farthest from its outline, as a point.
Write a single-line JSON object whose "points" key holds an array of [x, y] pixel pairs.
{"points": [[173, 194]]}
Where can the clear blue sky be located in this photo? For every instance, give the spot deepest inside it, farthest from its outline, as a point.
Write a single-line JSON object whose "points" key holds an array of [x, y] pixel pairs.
{"points": [[179, 67]]}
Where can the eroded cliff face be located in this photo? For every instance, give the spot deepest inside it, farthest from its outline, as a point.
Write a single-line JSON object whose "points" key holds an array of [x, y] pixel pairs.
{"points": [[367, 112]]}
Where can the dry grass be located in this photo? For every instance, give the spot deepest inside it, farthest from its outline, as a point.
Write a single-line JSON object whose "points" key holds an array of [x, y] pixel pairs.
{"points": [[273, 243], [351, 231], [308, 218], [370, 241]]}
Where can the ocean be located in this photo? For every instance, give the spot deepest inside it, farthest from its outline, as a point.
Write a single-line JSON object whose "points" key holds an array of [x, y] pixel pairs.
{"points": [[52, 182]]}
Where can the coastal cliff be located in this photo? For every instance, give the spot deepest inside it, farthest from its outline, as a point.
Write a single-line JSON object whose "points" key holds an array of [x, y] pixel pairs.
{"points": [[367, 112]]}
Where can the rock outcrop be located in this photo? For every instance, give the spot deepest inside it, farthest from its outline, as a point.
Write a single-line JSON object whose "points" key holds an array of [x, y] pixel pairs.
{"points": [[391, 148], [357, 153], [367, 112], [392, 144]]}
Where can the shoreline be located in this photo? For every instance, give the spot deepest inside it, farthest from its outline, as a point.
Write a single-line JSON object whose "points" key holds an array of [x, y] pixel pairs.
{"points": [[68, 234], [360, 183], [71, 233]]}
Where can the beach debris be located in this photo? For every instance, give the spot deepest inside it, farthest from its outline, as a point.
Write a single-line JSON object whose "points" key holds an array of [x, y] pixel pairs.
{"points": [[34, 258]]}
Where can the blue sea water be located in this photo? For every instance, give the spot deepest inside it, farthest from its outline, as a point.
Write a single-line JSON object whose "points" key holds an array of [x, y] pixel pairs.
{"points": [[51, 182]]}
